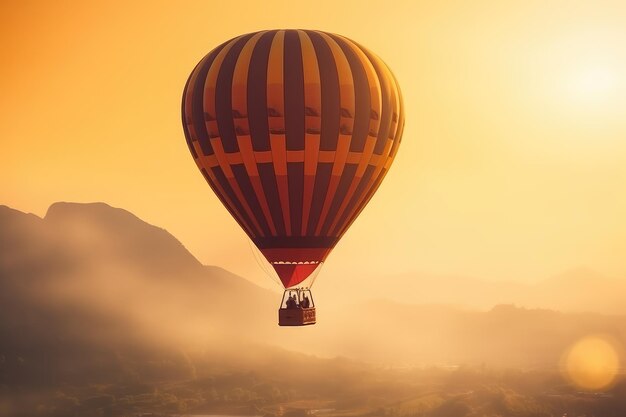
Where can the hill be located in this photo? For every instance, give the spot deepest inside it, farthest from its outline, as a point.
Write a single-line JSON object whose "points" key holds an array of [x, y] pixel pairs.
{"points": [[107, 269], [576, 290], [101, 309]]}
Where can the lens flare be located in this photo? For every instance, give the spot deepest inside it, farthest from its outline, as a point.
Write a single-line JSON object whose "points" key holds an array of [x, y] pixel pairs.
{"points": [[592, 363]]}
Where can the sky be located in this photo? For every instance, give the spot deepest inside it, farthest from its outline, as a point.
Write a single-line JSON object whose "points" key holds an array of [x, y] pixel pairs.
{"points": [[513, 160]]}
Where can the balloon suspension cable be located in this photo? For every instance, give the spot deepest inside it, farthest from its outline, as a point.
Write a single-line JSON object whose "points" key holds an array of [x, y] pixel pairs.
{"points": [[263, 264], [316, 274]]}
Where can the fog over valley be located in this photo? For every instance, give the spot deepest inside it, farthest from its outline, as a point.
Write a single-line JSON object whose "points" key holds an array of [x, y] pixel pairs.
{"points": [[112, 308]]}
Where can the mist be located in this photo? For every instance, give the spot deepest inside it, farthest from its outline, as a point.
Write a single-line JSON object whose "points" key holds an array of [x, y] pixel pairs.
{"points": [[105, 313]]}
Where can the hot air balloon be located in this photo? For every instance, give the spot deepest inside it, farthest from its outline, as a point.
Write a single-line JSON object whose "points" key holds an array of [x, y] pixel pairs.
{"points": [[294, 130]]}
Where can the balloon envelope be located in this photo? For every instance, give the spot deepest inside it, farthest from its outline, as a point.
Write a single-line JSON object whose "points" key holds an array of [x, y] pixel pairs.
{"points": [[294, 130]]}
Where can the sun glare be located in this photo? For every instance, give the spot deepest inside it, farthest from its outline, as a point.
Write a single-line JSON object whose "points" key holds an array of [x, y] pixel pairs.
{"points": [[592, 82], [592, 363]]}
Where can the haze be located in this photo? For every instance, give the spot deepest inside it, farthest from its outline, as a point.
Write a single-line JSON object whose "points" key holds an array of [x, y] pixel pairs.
{"points": [[485, 278], [104, 314]]}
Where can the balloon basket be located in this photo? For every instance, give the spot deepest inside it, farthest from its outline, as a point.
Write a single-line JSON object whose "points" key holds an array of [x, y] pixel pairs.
{"points": [[296, 317], [297, 308]]}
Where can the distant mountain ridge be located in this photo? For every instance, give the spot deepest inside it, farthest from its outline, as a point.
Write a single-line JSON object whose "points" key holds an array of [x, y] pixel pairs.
{"points": [[86, 268], [577, 290], [92, 280], [98, 225]]}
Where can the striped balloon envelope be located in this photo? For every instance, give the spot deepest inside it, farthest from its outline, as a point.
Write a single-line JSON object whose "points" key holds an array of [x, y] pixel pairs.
{"points": [[294, 130]]}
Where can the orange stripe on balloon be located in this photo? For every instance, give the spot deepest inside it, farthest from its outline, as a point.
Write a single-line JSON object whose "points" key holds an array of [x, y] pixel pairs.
{"points": [[354, 157], [326, 156], [206, 161], [216, 140], [373, 82], [311, 155], [221, 193], [276, 121], [245, 145], [189, 100], [209, 91], [373, 181], [242, 130], [312, 123], [234, 158], [370, 142], [292, 156], [400, 130], [385, 159], [346, 97], [279, 155], [343, 145], [240, 76], [346, 82], [368, 150], [209, 107], [263, 157], [224, 164], [295, 156]]}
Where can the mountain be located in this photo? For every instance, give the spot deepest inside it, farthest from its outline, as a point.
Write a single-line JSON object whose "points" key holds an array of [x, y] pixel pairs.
{"points": [[505, 336], [581, 289], [97, 301], [100, 273], [91, 280], [577, 290]]}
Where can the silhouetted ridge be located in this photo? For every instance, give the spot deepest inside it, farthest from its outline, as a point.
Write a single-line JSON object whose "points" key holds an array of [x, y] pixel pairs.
{"points": [[93, 293], [15, 225], [115, 232]]}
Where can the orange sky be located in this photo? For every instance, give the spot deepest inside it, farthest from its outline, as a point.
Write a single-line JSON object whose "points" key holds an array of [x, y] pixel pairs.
{"points": [[513, 162]]}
